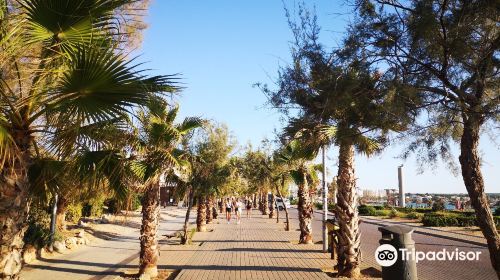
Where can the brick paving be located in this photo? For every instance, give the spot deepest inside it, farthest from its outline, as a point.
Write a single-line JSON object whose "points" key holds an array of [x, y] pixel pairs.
{"points": [[258, 248]]}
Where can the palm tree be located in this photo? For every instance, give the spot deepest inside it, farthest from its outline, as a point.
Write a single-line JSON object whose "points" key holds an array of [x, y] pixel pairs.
{"points": [[77, 78], [157, 145], [304, 174]]}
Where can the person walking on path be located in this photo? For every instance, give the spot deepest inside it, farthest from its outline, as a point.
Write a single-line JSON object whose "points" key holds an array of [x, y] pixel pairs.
{"points": [[229, 208], [249, 209], [238, 210]]}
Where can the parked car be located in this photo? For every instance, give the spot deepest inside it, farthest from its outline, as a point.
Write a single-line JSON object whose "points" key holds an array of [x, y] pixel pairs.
{"points": [[281, 205]]}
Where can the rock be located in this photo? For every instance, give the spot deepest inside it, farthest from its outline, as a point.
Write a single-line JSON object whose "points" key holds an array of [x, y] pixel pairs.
{"points": [[59, 247], [43, 253], [104, 220], [71, 242], [29, 254], [82, 223]]}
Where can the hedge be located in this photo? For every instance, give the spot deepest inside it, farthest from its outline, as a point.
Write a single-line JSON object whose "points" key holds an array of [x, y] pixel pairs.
{"points": [[452, 220]]}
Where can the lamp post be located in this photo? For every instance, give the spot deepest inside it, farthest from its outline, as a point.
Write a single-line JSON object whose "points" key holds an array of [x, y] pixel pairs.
{"points": [[402, 201], [325, 203]]}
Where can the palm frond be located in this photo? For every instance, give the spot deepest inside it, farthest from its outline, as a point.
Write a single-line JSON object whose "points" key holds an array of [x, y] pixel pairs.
{"points": [[93, 167], [7, 144], [367, 145], [46, 177], [67, 24], [189, 124], [101, 85]]}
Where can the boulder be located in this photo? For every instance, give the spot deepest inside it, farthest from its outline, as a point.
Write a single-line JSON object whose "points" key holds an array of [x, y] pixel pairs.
{"points": [[82, 223], [29, 254], [71, 242], [59, 247], [43, 253]]}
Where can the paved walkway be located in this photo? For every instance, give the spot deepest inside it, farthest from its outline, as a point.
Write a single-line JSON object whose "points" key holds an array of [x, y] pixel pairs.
{"points": [[258, 248], [102, 259]]}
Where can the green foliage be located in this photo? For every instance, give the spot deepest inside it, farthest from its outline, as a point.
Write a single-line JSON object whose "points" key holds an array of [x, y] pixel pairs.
{"points": [[74, 212], [448, 219], [294, 201], [413, 215], [394, 213], [497, 211], [438, 206], [367, 210], [38, 232]]}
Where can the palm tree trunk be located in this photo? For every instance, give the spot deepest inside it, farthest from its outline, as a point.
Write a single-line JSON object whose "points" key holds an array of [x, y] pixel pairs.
{"points": [[62, 206], [271, 208], [287, 226], [201, 218], [305, 212], [150, 222], [209, 210], [471, 172], [265, 204], [348, 257], [277, 210], [14, 208], [184, 237]]}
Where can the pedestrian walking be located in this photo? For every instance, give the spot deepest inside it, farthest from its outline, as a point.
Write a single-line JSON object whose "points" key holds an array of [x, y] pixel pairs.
{"points": [[249, 209], [229, 207]]}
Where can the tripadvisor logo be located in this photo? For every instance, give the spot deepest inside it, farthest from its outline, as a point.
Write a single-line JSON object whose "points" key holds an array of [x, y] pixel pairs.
{"points": [[387, 255]]}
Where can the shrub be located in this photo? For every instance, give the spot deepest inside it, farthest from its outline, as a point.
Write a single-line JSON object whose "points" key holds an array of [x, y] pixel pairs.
{"points": [[393, 213], [438, 206], [447, 220], [382, 213], [379, 207], [331, 206], [452, 220], [294, 201], [413, 215], [74, 212], [367, 210], [38, 231], [318, 205], [423, 210]]}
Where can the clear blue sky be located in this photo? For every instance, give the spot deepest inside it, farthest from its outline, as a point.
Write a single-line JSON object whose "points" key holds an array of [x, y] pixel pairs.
{"points": [[223, 47]]}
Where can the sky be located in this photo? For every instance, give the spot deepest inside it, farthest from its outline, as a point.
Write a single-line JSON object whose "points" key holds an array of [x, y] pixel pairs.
{"points": [[221, 48]]}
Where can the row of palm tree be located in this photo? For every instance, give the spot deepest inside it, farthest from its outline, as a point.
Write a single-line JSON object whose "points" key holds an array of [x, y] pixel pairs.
{"points": [[76, 115], [378, 83]]}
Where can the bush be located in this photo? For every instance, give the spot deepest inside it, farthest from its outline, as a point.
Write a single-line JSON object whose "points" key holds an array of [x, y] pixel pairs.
{"points": [[331, 206], [413, 215], [447, 220], [294, 201], [438, 206], [38, 231], [367, 210], [382, 213], [393, 213], [74, 212], [379, 207], [318, 205], [452, 220]]}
